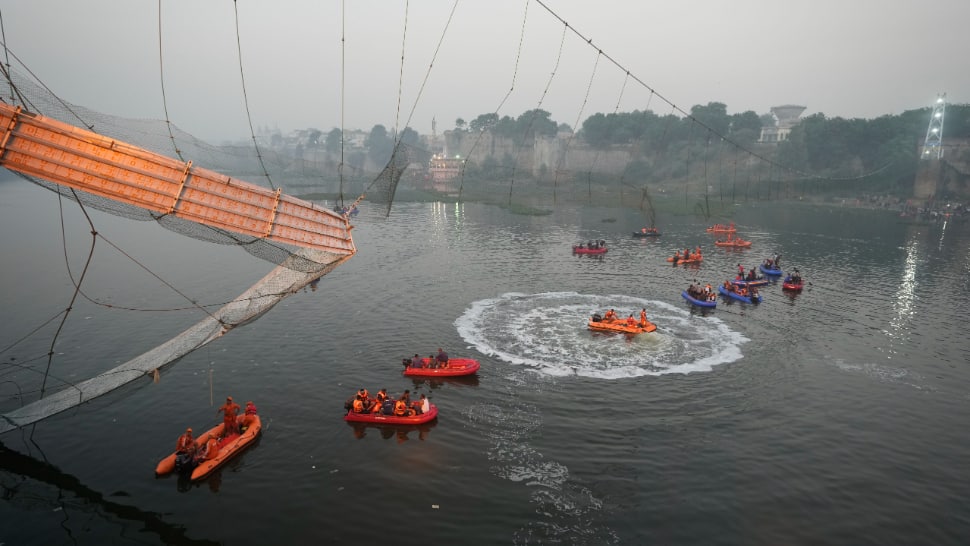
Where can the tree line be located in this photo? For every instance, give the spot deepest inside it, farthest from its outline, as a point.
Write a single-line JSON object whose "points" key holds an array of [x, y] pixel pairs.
{"points": [[663, 147]]}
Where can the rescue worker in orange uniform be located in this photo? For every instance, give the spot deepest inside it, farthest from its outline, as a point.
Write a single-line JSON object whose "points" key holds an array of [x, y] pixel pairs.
{"points": [[643, 318], [211, 449], [186, 443], [229, 411], [379, 400], [249, 416]]}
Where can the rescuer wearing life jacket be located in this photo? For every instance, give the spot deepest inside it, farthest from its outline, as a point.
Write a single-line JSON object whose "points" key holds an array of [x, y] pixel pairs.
{"points": [[211, 448], [229, 411], [186, 443], [249, 416], [380, 398]]}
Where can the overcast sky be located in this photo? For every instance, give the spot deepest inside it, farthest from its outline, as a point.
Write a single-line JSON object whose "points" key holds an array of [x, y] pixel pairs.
{"points": [[328, 63]]}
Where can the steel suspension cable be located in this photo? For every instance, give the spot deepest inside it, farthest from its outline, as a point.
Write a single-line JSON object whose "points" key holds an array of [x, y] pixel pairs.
{"points": [[161, 80], [535, 112], [515, 73], [579, 115], [242, 79]]}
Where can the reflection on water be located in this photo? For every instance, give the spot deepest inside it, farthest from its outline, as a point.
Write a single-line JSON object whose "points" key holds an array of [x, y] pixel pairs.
{"points": [[903, 305], [434, 383], [402, 433], [47, 498]]}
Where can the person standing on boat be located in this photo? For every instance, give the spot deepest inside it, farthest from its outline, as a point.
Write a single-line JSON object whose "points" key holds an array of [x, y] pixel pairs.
{"points": [[442, 358], [643, 318], [229, 411], [425, 404]]}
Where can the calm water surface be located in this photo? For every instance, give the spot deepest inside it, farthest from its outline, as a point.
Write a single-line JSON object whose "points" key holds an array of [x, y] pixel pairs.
{"points": [[834, 416]]}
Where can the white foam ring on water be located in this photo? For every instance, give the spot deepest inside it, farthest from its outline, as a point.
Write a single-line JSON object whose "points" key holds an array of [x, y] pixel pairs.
{"points": [[547, 336], [548, 333]]}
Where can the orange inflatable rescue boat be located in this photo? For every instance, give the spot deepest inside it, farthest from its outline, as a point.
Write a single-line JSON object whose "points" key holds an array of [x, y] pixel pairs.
{"points": [[456, 367], [219, 451], [599, 324]]}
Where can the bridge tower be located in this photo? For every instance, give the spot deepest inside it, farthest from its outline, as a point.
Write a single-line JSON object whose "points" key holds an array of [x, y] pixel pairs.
{"points": [[930, 171], [933, 145]]}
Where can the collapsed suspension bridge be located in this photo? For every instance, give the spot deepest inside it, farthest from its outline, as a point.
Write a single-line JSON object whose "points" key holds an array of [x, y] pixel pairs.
{"points": [[99, 170]]}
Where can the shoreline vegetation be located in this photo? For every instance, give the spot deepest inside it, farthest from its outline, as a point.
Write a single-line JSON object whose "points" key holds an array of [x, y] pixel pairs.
{"points": [[530, 202]]}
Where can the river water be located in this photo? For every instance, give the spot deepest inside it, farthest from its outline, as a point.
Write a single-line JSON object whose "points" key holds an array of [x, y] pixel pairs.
{"points": [[833, 416]]}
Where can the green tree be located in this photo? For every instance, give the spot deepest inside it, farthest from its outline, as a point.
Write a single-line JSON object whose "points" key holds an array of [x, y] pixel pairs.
{"points": [[411, 139], [746, 120], [535, 123], [714, 116], [334, 140], [460, 124], [313, 138], [379, 144], [483, 122]]}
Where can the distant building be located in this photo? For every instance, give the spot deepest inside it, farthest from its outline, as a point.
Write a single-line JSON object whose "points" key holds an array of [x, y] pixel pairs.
{"points": [[786, 117], [444, 169]]}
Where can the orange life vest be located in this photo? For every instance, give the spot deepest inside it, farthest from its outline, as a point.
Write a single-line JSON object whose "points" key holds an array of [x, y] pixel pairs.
{"points": [[185, 442], [212, 449]]}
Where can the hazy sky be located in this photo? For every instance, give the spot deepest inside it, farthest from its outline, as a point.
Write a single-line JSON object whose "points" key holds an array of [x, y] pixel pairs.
{"points": [[328, 63]]}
